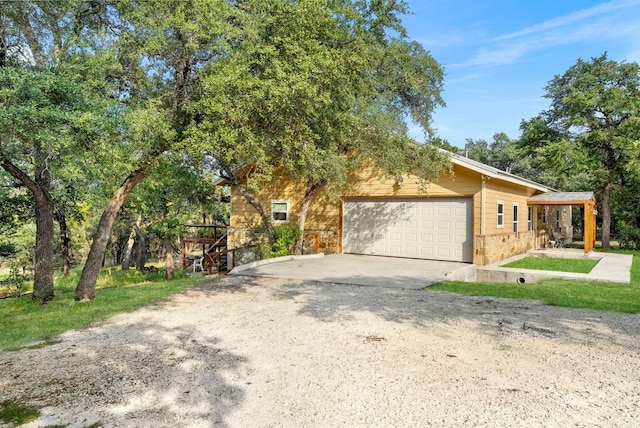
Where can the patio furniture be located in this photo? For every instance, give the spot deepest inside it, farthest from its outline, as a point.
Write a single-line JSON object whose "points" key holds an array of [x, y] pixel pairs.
{"points": [[558, 239], [198, 263]]}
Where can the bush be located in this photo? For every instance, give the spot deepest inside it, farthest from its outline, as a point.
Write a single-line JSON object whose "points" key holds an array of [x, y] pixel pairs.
{"points": [[7, 249], [286, 235], [628, 236], [14, 284]]}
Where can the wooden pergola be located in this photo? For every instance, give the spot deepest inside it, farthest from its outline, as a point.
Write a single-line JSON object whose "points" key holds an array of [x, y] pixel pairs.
{"points": [[584, 199]]}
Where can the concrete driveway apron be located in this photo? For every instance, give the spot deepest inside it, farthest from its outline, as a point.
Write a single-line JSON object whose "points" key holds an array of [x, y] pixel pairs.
{"points": [[362, 270]]}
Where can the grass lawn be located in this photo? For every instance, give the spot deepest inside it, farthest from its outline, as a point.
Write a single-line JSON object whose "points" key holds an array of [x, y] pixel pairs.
{"points": [[23, 323], [603, 296], [555, 264]]}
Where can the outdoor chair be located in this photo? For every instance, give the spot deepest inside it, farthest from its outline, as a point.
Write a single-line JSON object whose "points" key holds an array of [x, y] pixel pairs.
{"points": [[198, 263], [559, 240]]}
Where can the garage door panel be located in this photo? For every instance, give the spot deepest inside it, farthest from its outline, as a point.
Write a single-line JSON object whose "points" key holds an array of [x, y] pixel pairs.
{"points": [[439, 228]]}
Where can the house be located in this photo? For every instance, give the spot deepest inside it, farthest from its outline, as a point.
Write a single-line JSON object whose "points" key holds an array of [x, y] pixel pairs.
{"points": [[478, 214]]}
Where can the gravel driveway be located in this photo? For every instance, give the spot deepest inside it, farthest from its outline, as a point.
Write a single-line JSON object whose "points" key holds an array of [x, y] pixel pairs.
{"points": [[261, 352]]}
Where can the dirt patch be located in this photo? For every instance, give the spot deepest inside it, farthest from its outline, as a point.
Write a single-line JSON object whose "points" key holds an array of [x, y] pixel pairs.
{"points": [[266, 352]]}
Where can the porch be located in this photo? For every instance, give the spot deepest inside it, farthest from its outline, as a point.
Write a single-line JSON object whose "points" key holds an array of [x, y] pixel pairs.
{"points": [[585, 200]]}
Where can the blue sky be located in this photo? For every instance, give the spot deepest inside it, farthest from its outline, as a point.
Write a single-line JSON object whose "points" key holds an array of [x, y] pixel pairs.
{"points": [[498, 55]]}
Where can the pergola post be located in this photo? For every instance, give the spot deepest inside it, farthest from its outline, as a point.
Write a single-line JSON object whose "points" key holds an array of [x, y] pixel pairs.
{"points": [[589, 227]]}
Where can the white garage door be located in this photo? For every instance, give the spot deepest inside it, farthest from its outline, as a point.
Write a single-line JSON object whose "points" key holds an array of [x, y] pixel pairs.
{"points": [[436, 228]]}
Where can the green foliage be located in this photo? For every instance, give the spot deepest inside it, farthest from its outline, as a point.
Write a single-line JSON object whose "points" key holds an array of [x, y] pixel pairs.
{"points": [[12, 412], [285, 236], [502, 153], [588, 136], [554, 264], [8, 249], [628, 236], [316, 89], [14, 283]]}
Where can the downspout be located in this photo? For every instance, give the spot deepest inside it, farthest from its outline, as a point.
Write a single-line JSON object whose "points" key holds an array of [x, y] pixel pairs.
{"points": [[483, 196]]}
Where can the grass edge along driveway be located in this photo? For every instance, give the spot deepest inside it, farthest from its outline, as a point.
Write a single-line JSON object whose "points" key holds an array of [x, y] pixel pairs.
{"points": [[24, 323], [601, 296]]}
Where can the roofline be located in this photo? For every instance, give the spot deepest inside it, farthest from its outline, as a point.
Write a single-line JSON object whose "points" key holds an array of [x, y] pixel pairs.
{"points": [[492, 172], [476, 166]]}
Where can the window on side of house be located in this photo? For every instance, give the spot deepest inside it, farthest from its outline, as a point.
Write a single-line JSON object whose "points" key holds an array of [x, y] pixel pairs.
{"points": [[529, 217], [558, 220], [544, 216], [280, 211], [500, 214], [515, 217]]}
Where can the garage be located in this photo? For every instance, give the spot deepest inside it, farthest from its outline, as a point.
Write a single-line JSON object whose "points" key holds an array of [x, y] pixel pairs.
{"points": [[420, 228]]}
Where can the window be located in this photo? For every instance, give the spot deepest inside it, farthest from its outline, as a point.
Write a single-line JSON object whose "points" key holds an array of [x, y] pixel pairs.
{"points": [[558, 220], [500, 214], [515, 217], [280, 211], [529, 217], [544, 216]]}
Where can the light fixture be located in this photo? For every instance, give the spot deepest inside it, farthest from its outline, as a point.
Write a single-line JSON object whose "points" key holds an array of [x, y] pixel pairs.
{"points": [[400, 181]]}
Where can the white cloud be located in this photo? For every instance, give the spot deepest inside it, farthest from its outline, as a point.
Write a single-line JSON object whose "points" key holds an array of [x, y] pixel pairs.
{"points": [[563, 21], [596, 23]]}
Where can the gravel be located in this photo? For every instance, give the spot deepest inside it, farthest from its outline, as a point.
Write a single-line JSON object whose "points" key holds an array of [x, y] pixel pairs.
{"points": [[243, 351]]}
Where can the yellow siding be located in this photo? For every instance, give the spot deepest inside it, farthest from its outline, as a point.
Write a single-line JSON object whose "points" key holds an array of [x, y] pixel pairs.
{"points": [[370, 181], [509, 194], [324, 214]]}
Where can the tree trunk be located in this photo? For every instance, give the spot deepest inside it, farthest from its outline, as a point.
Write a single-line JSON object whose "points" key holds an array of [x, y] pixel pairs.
{"points": [[312, 190], [65, 242], [141, 257], [606, 214], [86, 289], [43, 267], [126, 254], [168, 257]]}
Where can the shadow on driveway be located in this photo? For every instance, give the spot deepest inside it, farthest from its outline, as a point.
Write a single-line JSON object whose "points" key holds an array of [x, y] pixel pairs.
{"points": [[361, 270]]}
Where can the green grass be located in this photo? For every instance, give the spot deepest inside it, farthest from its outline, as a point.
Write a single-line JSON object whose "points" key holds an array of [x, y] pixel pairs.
{"points": [[602, 296], [23, 323], [14, 413], [554, 264]]}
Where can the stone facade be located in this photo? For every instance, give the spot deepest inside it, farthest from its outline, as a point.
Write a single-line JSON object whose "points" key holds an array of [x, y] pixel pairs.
{"points": [[329, 241], [497, 247]]}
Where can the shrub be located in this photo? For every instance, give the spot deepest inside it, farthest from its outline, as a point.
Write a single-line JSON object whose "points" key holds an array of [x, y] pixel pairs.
{"points": [[628, 236], [286, 235]]}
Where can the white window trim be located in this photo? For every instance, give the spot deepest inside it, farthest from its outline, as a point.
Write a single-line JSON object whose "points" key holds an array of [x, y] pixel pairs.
{"points": [[279, 201], [500, 219], [516, 214]]}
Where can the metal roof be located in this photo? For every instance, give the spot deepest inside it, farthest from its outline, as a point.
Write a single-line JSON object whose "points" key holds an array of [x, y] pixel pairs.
{"points": [[495, 172], [559, 197]]}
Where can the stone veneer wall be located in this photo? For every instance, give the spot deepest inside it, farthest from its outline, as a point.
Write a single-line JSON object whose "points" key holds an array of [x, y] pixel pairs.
{"points": [[329, 240], [494, 248]]}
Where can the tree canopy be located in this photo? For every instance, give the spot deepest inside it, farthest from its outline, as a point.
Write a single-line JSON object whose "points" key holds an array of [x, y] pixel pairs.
{"points": [[594, 117], [314, 89]]}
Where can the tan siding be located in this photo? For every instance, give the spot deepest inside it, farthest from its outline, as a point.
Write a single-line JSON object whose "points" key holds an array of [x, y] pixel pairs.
{"points": [[501, 191], [324, 215], [370, 181]]}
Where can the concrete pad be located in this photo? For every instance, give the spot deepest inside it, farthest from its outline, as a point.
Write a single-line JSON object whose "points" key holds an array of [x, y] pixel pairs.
{"points": [[360, 270], [611, 267]]}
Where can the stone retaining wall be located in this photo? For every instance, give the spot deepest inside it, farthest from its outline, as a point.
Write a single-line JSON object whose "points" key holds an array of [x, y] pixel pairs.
{"points": [[494, 248]]}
